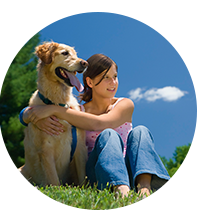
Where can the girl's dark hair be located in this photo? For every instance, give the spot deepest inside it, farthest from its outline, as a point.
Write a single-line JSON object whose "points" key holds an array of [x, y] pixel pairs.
{"points": [[97, 64]]}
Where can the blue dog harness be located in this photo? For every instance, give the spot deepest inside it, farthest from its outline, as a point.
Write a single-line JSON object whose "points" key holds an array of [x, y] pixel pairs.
{"points": [[74, 142], [73, 129], [49, 102]]}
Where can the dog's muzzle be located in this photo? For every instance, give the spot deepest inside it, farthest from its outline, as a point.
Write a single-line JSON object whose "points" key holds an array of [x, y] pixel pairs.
{"points": [[84, 65]]}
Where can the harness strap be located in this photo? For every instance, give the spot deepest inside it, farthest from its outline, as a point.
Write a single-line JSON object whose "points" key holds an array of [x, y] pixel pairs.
{"points": [[49, 102], [74, 142]]}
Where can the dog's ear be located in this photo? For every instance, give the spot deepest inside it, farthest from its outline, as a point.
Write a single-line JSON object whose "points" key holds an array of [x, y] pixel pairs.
{"points": [[45, 52]]}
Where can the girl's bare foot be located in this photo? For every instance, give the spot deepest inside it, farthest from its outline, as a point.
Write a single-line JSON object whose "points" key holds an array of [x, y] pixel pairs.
{"points": [[144, 192], [123, 189], [143, 184]]}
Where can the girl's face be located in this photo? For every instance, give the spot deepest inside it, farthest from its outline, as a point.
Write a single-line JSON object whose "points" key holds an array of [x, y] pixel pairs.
{"points": [[108, 86]]}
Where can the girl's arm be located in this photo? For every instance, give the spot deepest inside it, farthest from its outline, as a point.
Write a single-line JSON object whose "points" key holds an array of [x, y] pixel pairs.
{"points": [[50, 125], [120, 114]]}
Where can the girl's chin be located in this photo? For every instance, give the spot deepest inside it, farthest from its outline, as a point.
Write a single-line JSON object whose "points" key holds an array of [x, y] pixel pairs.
{"points": [[111, 93]]}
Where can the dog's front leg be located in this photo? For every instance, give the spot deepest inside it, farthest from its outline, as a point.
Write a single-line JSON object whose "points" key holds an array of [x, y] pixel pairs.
{"points": [[49, 170]]}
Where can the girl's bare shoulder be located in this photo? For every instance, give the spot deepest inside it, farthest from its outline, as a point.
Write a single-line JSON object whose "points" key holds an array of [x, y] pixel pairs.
{"points": [[125, 102]]}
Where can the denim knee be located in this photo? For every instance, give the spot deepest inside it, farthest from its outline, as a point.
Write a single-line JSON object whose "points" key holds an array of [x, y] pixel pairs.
{"points": [[105, 135], [138, 134], [107, 132], [140, 129]]}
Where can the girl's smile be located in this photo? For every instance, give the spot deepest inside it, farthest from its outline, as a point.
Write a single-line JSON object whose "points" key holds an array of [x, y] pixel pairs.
{"points": [[111, 89]]}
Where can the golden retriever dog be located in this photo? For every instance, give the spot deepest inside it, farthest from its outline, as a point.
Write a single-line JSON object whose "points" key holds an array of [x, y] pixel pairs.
{"points": [[48, 158]]}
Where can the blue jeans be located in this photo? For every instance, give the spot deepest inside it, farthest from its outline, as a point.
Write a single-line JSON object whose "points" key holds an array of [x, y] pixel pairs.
{"points": [[107, 166]]}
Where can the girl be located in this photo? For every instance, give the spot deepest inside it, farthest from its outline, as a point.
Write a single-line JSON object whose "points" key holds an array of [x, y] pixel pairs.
{"points": [[118, 155]]}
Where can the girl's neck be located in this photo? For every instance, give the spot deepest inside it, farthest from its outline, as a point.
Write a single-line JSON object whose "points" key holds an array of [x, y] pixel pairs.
{"points": [[101, 105]]}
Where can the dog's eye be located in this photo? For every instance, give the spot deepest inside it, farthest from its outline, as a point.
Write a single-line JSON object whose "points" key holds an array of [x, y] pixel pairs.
{"points": [[65, 53]]}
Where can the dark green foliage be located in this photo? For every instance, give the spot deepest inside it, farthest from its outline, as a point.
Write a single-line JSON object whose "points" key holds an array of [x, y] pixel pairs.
{"points": [[18, 85], [183, 164]]}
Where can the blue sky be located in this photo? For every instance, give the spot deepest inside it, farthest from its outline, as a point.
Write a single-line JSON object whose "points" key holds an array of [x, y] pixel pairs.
{"points": [[150, 72]]}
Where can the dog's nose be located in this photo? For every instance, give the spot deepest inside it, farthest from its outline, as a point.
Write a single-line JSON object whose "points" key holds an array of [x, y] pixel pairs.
{"points": [[84, 63]]}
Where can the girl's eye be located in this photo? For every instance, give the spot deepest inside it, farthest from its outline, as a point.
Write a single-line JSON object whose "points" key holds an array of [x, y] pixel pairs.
{"points": [[115, 76]]}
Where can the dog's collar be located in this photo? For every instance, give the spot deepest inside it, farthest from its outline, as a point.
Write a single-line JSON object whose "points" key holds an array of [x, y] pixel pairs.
{"points": [[48, 102]]}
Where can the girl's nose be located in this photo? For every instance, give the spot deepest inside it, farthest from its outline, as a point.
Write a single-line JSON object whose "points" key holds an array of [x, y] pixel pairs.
{"points": [[113, 80]]}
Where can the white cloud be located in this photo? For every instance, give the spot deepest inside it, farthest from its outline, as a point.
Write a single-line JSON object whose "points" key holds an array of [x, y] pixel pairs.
{"points": [[136, 94], [168, 93]]}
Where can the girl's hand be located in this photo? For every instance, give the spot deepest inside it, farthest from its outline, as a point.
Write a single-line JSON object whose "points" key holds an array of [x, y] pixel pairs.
{"points": [[50, 125], [37, 113]]}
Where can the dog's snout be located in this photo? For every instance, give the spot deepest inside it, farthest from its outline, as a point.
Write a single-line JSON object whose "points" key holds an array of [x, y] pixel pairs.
{"points": [[84, 63]]}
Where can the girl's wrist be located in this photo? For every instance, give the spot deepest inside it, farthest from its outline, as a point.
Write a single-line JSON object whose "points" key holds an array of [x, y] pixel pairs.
{"points": [[53, 110], [25, 115], [57, 110]]}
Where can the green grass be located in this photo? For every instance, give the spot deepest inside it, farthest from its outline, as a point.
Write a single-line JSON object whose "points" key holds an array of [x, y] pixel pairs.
{"points": [[88, 198]]}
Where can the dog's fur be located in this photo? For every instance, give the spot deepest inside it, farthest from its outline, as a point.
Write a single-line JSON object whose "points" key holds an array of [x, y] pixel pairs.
{"points": [[47, 158]]}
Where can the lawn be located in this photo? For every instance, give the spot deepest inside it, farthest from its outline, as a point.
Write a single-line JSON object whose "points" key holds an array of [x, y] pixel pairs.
{"points": [[88, 198]]}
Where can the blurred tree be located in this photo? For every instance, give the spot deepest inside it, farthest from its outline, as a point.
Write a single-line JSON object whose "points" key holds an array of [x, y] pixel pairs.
{"points": [[178, 157], [18, 85]]}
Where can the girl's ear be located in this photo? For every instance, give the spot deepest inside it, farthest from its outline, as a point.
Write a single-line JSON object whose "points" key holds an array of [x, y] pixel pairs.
{"points": [[89, 82]]}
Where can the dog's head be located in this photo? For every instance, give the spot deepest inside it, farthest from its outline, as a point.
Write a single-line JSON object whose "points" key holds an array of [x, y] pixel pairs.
{"points": [[61, 63]]}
